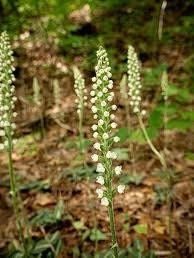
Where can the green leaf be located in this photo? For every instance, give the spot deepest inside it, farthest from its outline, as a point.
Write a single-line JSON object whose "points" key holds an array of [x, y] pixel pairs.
{"points": [[79, 225], [137, 136], [172, 90], [155, 119], [179, 124], [97, 235], [59, 210], [131, 179], [79, 173], [141, 228], [189, 155], [122, 153], [123, 133]]}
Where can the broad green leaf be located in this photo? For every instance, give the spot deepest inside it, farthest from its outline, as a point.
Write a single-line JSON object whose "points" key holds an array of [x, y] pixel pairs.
{"points": [[155, 119], [179, 124]]}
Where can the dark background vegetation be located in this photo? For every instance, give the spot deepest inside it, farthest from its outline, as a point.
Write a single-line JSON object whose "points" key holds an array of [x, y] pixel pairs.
{"points": [[48, 37]]}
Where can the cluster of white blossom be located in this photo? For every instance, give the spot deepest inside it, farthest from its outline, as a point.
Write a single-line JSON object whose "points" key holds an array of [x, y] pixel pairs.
{"points": [[7, 98], [134, 81], [80, 90], [101, 97]]}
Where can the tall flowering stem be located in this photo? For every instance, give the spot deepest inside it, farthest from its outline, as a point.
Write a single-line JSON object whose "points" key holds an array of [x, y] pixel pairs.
{"points": [[101, 98], [124, 95], [169, 176], [134, 84], [7, 114], [80, 90]]}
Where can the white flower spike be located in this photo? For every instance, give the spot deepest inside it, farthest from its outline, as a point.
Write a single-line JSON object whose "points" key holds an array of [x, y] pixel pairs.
{"points": [[80, 90], [134, 80], [7, 98], [102, 97]]}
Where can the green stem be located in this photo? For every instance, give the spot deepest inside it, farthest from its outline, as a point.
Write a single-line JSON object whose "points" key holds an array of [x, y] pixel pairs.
{"points": [[168, 175], [113, 230], [128, 124], [13, 187], [153, 148], [81, 136]]}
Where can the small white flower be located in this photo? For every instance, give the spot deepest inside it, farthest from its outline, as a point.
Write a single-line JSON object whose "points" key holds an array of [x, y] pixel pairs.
{"points": [[93, 100], [104, 201], [99, 193], [118, 170], [97, 146], [99, 82], [103, 103], [116, 139], [94, 157], [110, 86], [100, 168], [2, 146], [100, 94], [105, 90], [94, 86], [94, 127], [95, 135], [112, 116], [93, 79], [113, 125], [121, 189], [92, 93], [114, 107], [143, 112], [100, 180], [13, 125], [105, 136], [110, 98], [2, 133], [136, 110], [14, 98], [109, 155], [114, 155], [100, 122], [94, 109], [106, 114]]}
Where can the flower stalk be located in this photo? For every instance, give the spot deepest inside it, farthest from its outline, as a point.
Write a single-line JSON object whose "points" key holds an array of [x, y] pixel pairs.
{"points": [[80, 90], [101, 98], [124, 95], [134, 92], [7, 104], [169, 178]]}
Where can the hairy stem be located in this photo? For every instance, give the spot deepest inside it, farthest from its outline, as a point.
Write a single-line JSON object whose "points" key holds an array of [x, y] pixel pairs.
{"points": [[113, 230]]}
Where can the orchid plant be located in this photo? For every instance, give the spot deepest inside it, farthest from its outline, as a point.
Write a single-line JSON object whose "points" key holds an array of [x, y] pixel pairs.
{"points": [[102, 109]]}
